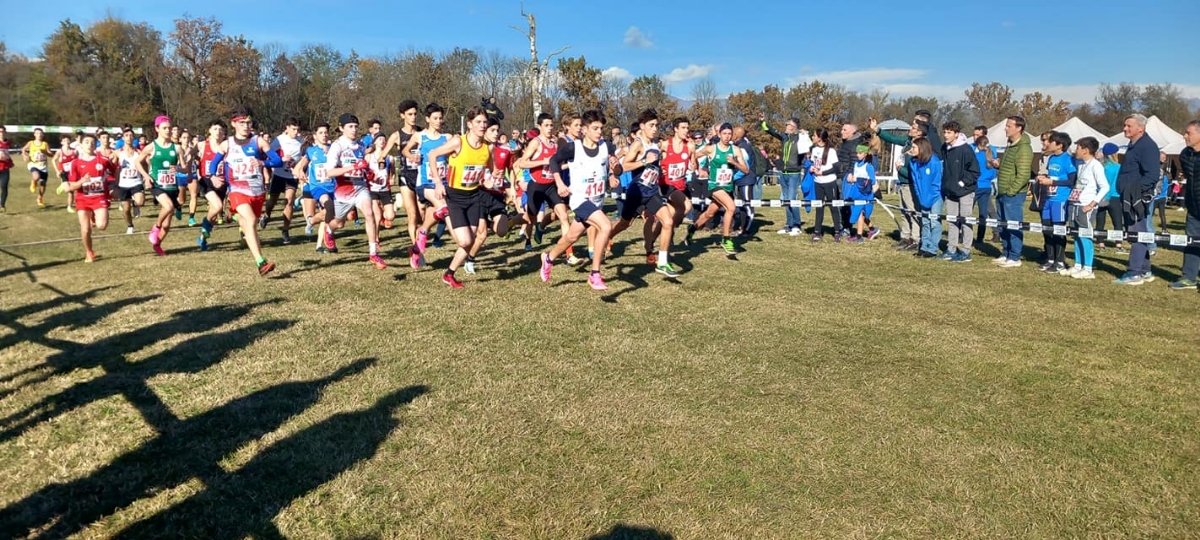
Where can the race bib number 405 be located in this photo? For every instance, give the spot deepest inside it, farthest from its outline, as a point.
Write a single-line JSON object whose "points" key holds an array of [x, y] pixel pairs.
{"points": [[166, 177]]}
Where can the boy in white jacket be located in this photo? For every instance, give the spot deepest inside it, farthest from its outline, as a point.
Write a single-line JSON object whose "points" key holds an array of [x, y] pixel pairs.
{"points": [[1091, 187]]}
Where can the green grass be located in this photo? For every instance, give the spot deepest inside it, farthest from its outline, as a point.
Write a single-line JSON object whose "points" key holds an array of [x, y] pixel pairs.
{"points": [[804, 391]]}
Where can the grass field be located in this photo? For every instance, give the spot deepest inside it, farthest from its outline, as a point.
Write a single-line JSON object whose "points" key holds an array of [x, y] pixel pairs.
{"points": [[803, 391]]}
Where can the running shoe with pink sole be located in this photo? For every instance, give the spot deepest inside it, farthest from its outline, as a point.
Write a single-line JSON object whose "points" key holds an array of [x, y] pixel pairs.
{"points": [[546, 266], [597, 282], [378, 262]]}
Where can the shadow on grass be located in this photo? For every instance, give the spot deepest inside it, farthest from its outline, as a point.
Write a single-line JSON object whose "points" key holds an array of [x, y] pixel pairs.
{"points": [[622, 531], [128, 379], [232, 505]]}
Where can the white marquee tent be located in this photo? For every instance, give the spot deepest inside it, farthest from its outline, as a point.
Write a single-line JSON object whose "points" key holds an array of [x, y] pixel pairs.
{"points": [[1079, 129], [998, 139], [1167, 139]]}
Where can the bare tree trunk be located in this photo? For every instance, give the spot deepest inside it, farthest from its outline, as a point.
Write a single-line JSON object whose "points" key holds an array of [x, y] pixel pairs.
{"points": [[537, 70]]}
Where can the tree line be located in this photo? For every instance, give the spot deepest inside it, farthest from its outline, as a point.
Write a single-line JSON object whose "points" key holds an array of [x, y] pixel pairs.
{"points": [[116, 71]]}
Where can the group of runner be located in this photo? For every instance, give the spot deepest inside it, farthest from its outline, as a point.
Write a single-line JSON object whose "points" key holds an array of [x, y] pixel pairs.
{"points": [[467, 183]]}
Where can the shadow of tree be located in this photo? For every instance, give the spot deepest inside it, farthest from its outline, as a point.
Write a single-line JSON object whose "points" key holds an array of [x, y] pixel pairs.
{"points": [[622, 531], [121, 377], [193, 448], [245, 502]]}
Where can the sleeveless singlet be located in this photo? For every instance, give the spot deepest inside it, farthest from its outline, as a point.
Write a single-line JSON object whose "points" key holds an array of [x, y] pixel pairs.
{"points": [[408, 167], [542, 175], [128, 176], [720, 172], [646, 176], [65, 157], [164, 161], [469, 165], [591, 176], [243, 170], [674, 166], [427, 145], [37, 154], [207, 157], [378, 182]]}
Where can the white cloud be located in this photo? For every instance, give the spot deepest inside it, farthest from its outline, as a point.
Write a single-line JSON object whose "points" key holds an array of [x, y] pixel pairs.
{"points": [[634, 37], [618, 73], [693, 71]]}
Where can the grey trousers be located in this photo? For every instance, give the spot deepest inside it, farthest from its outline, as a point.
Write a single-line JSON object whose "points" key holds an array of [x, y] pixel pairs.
{"points": [[959, 235], [910, 225]]}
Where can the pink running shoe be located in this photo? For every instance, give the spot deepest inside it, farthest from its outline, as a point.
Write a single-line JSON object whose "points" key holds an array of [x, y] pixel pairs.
{"points": [[597, 282], [546, 265], [158, 250], [414, 259], [154, 235], [329, 243], [378, 262]]}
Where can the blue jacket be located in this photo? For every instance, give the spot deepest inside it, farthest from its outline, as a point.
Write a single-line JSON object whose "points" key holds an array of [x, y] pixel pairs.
{"points": [[986, 174], [927, 180]]}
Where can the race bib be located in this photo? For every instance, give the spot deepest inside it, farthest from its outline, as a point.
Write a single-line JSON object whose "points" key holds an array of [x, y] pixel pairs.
{"points": [[593, 189], [472, 175], [441, 169], [166, 177], [129, 173], [322, 174], [94, 185], [724, 176], [352, 161], [38, 157], [649, 177], [676, 171], [411, 164], [245, 169]]}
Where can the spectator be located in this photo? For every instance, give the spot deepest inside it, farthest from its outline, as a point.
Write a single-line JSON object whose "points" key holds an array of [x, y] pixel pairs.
{"points": [[1111, 203], [1056, 184], [491, 109], [988, 160], [926, 170], [613, 134], [1091, 188], [847, 156], [824, 159], [745, 184], [1189, 164], [960, 175], [1136, 181], [861, 187], [909, 224], [1012, 179], [935, 139], [796, 145], [1159, 202]]}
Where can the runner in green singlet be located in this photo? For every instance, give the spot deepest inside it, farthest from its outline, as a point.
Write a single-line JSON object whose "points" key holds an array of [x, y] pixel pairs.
{"points": [[723, 159], [162, 158]]}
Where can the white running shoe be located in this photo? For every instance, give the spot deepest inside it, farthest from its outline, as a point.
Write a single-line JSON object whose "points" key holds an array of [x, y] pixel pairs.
{"points": [[469, 267], [128, 230]]}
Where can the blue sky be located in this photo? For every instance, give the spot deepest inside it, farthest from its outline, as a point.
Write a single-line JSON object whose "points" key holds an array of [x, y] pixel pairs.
{"points": [[935, 49]]}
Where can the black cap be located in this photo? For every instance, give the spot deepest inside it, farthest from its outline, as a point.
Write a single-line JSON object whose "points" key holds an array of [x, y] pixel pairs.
{"points": [[347, 118]]}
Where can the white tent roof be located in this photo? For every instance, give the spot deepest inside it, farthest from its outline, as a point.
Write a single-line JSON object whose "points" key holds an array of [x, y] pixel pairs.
{"points": [[1166, 138], [1079, 129], [999, 139]]}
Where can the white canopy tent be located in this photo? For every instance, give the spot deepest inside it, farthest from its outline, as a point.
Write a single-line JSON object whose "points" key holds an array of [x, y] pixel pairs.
{"points": [[997, 138], [1167, 139], [893, 125], [1079, 129]]}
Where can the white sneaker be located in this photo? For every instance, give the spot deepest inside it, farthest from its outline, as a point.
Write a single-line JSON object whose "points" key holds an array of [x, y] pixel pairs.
{"points": [[572, 260], [1068, 271], [783, 231], [795, 231], [1084, 274], [1000, 260], [1010, 264], [128, 230], [469, 267]]}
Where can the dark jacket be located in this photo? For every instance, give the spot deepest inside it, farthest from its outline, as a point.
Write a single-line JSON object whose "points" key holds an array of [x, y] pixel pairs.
{"points": [[847, 155], [1189, 161], [960, 170], [1140, 171], [749, 179], [790, 155]]}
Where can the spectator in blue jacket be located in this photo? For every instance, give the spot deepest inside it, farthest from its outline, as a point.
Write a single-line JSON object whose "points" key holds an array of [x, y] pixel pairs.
{"points": [[926, 170], [985, 192], [1136, 181], [1110, 205]]}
